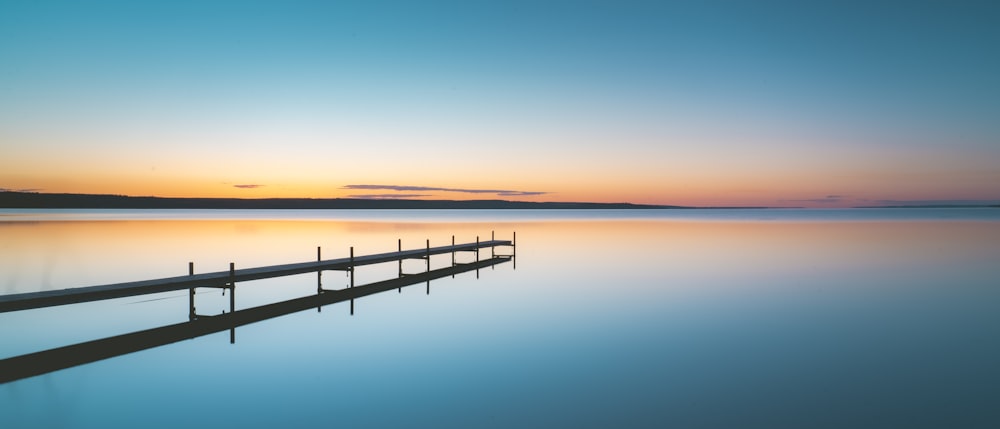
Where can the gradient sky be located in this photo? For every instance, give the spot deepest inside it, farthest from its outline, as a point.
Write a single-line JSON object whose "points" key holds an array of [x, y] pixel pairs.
{"points": [[791, 103]]}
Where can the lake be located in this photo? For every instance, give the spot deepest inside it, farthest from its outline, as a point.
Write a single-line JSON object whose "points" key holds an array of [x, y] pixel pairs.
{"points": [[639, 318]]}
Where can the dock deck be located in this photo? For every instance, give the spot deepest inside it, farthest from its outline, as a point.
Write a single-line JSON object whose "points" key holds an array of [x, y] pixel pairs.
{"points": [[25, 301], [32, 364]]}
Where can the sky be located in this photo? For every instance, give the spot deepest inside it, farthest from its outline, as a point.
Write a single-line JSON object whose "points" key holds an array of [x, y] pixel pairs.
{"points": [[706, 103]]}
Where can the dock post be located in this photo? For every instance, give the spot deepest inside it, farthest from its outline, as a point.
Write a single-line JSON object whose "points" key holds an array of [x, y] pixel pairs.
{"points": [[399, 248], [352, 278], [513, 247], [232, 287], [428, 259], [319, 277], [191, 310], [232, 299], [477, 256], [452, 253]]}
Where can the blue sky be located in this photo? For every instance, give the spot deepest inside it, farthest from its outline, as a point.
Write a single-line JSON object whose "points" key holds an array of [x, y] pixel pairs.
{"points": [[665, 102]]}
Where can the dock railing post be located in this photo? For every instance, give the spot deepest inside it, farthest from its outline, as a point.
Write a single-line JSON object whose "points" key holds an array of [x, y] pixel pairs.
{"points": [[191, 310], [399, 248], [232, 286], [477, 256], [352, 278], [427, 257], [232, 299], [319, 277]]}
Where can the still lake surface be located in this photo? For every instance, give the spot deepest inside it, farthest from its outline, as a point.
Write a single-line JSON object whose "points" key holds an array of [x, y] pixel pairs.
{"points": [[643, 318]]}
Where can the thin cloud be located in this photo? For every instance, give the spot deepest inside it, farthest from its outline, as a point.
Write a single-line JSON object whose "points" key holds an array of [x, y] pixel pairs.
{"points": [[520, 193], [386, 196], [935, 202], [250, 186], [829, 199], [498, 192], [21, 190]]}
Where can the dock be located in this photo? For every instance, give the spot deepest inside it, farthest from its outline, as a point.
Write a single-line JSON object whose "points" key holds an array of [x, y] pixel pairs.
{"points": [[32, 364], [228, 279]]}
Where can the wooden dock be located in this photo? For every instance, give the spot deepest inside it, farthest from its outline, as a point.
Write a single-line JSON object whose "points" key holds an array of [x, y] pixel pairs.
{"points": [[228, 279], [32, 364]]}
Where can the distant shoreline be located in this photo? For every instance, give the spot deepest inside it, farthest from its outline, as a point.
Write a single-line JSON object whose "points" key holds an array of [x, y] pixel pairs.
{"points": [[30, 200], [34, 200]]}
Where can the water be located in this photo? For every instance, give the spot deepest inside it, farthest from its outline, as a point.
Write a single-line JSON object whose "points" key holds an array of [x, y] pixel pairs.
{"points": [[678, 318]]}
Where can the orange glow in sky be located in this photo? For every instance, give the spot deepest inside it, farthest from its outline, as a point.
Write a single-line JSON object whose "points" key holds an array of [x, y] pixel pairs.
{"points": [[659, 104]]}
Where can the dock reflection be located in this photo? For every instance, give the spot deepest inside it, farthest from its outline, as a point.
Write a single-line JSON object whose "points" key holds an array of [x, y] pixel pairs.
{"points": [[32, 364]]}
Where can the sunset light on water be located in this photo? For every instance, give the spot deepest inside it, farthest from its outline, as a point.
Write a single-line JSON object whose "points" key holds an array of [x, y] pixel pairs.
{"points": [[707, 214]]}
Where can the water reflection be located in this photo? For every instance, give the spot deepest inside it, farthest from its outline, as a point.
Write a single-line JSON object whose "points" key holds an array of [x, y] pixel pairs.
{"points": [[28, 365], [608, 322]]}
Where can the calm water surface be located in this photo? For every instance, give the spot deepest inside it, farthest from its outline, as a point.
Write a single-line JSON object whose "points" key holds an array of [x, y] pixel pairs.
{"points": [[679, 318]]}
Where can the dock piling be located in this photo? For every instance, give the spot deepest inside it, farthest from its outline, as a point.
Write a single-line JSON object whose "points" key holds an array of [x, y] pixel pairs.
{"points": [[428, 260], [232, 299], [191, 310], [232, 287], [351, 273], [319, 277]]}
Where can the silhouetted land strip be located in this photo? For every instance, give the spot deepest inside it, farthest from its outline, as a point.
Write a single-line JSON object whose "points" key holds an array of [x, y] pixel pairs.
{"points": [[89, 201], [28, 365], [33, 200], [49, 298]]}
